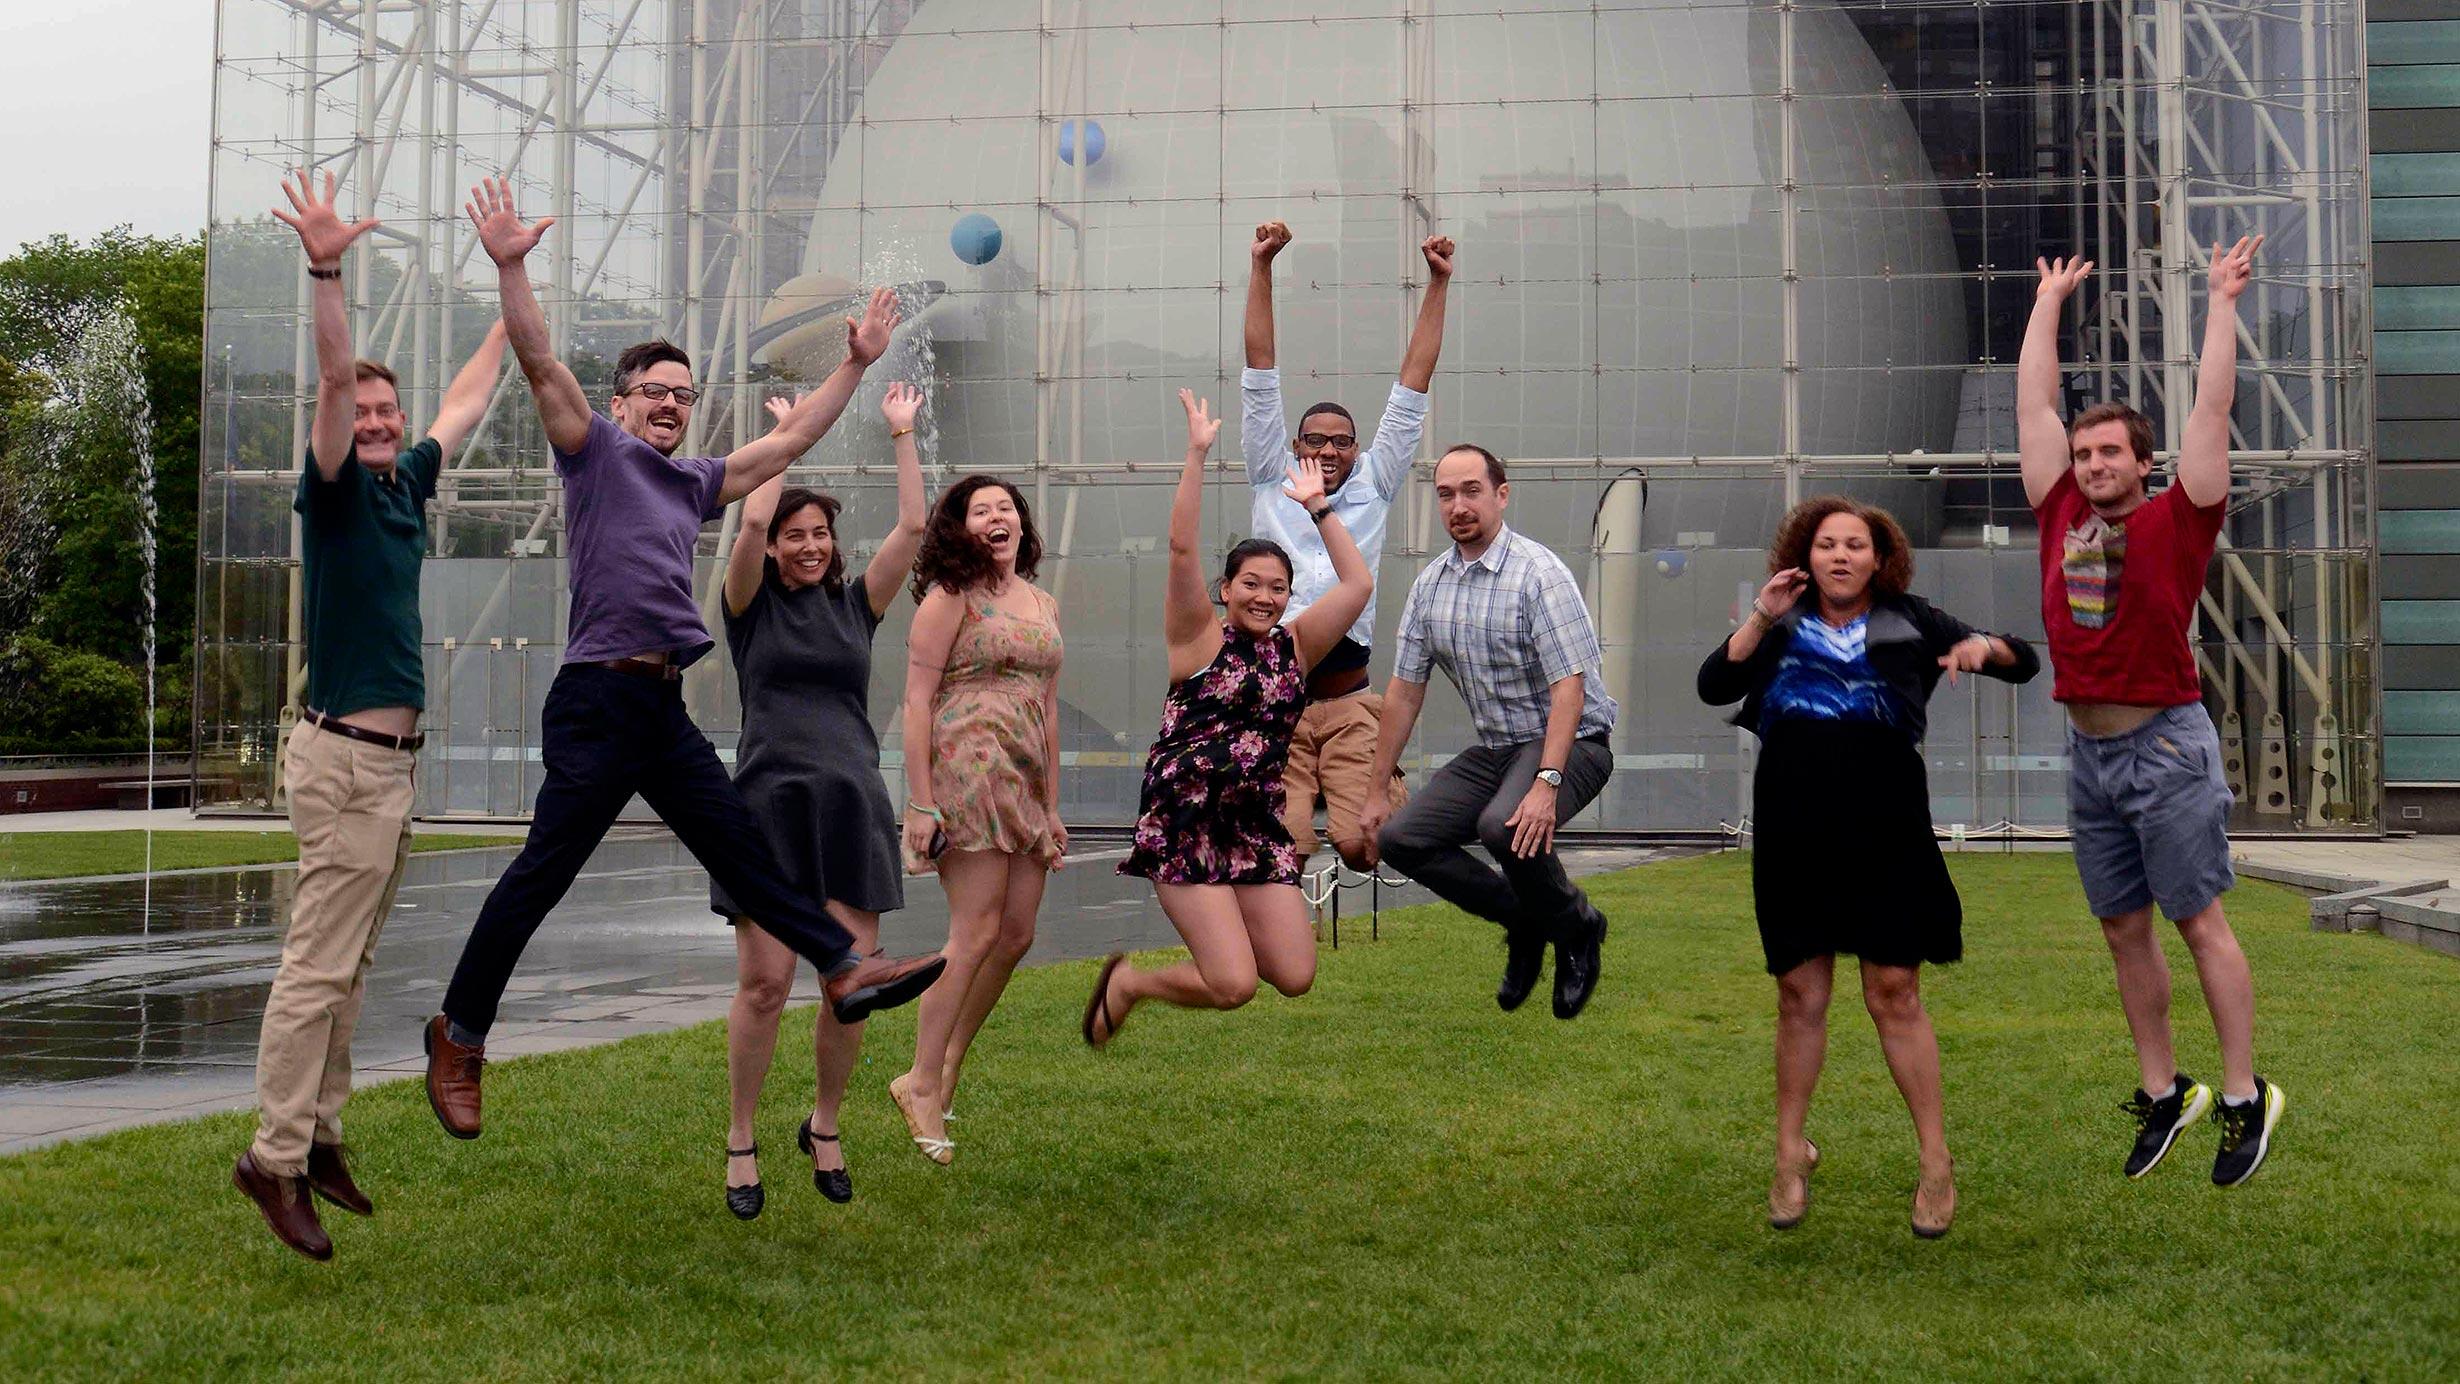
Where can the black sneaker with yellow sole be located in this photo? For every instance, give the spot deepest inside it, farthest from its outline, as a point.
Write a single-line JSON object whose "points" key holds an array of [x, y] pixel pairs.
{"points": [[2246, 1133], [2158, 1123]]}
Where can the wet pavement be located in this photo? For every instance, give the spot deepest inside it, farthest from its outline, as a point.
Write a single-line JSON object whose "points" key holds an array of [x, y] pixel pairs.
{"points": [[126, 1001]]}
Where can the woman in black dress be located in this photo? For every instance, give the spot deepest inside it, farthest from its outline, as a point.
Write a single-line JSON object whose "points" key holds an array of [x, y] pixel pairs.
{"points": [[1209, 830], [809, 764], [1834, 666]]}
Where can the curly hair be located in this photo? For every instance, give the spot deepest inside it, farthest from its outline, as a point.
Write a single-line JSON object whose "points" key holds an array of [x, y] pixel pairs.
{"points": [[953, 559], [794, 502], [1792, 546]]}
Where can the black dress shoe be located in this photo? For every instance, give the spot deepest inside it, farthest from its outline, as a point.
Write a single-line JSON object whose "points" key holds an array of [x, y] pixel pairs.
{"points": [[1524, 955], [834, 1183], [1576, 961], [745, 1202]]}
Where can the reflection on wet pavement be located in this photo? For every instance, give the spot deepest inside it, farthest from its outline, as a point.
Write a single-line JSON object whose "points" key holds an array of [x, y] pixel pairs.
{"points": [[114, 1012]]}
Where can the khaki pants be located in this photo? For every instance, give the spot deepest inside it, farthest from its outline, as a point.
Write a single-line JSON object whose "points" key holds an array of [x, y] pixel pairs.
{"points": [[350, 805], [1331, 754]]}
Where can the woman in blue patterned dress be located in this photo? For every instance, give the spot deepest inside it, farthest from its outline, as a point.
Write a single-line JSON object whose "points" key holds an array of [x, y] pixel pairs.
{"points": [[1834, 666], [1208, 828]]}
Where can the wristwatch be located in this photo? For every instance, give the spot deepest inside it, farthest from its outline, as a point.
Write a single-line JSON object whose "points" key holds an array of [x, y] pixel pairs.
{"points": [[1552, 778]]}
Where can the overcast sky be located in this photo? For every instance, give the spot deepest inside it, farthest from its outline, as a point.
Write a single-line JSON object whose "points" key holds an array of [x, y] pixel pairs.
{"points": [[108, 109]]}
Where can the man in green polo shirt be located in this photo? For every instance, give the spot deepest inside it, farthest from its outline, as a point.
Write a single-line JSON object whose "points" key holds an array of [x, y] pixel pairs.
{"points": [[363, 532]]}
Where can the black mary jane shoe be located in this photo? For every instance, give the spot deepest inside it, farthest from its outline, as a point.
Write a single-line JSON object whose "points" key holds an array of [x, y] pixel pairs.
{"points": [[834, 1183], [745, 1202]]}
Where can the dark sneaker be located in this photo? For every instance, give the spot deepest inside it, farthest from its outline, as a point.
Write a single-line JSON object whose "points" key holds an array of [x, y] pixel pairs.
{"points": [[2246, 1133], [2158, 1123]]}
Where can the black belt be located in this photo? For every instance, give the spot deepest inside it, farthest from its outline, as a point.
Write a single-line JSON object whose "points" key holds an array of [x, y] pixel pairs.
{"points": [[641, 668], [1335, 685], [348, 731]]}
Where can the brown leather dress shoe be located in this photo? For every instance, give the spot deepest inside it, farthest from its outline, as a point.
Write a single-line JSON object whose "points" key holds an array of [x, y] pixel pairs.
{"points": [[287, 1207], [328, 1173], [879, 982], [452, 1079]]}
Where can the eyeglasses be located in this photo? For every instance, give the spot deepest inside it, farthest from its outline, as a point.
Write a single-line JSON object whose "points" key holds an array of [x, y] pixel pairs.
{"points": [[1319, 440], [377, 411], [659, 393]]}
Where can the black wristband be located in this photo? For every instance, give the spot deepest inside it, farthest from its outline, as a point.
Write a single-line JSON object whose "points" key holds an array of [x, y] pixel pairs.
{"points": [[1321, 514], [315, 273]]}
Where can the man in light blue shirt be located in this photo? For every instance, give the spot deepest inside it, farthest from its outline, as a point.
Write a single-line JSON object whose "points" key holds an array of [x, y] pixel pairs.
{"points": [[1502, 616], [1335, 741]]}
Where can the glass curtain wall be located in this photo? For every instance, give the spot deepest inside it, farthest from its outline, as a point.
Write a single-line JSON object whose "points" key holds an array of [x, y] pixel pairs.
{"points": [[1712, 259]]}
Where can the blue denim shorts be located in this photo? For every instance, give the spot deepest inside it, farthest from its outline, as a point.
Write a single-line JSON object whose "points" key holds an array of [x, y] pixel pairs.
{"points": [[2149, 812]]}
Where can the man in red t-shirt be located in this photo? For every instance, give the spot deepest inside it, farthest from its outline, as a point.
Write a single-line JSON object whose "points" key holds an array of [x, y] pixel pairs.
{"points": [[2147, 806]]}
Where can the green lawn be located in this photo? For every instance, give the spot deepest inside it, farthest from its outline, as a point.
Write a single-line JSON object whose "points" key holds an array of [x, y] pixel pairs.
{"points": [[1385, 1178], [71, 854]]}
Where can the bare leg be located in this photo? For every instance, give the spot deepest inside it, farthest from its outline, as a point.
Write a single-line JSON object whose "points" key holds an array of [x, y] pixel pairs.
{"points": [[1802, 1048], [975, 882], [764, 972], [2144, 992], [1222, 974], [836, 1046], [2229, 992], [1280, 934], [1893, 995], [1020, 907]]}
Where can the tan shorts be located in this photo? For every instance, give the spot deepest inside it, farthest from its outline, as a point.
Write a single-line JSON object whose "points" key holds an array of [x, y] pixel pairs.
{"points": [[1331, 755]]}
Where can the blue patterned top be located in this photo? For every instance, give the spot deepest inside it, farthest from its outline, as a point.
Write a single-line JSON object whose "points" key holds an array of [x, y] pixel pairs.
{"points": [[1826, 675]]}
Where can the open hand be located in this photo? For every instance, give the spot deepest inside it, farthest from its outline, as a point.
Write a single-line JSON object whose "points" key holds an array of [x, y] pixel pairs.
{"points": [[2060, 277], [1438, 252], [867, 336], [1970, 654], [1202, 426], [322, 232], [2233, 269], [1533, 822], [779, 406], [901, 405], [1270, 238], [502, 233], [1306, 484], [1780, 592]]}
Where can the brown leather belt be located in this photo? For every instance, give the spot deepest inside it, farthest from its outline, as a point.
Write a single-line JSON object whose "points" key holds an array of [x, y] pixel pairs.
{"points": [[347, 731], [642, 668], [1329, 686]]}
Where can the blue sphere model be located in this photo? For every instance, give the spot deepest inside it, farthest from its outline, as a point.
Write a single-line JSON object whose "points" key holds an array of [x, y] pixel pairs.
{"points": [[1671, 562], [975, 238], [1095, 142]]}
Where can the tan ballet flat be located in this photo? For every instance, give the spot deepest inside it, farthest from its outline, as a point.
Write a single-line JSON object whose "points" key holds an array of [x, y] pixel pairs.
{"points": [[940, 1151], [1934, 1205], [1789, 1192]]}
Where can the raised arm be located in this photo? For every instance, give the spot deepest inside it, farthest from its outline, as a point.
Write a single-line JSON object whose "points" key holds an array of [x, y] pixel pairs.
{"points": [[562, 408], [747, 560], [2041, 434], [324, 236], [1426, 339], [1187, 611], [1321, 625], [2203, 451], [1270, 237], [756, 461], [465, 399], [927, 643], [894, 561]]}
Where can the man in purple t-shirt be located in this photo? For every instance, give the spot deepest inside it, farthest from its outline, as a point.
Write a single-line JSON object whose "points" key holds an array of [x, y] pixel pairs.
{"points": [[614, 723]]}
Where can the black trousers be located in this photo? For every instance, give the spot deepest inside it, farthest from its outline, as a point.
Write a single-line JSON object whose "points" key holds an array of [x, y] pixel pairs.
{"points": [[606, 736], [1470, 799]]}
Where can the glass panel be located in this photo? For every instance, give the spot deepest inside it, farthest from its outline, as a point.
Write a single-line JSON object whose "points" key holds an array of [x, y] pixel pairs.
{"points": [[2390, 43], [2417, 218], [2413, 88], [2419, 530], [2417, 353], [2421, 622], [2412, 308], [2416, 175]]}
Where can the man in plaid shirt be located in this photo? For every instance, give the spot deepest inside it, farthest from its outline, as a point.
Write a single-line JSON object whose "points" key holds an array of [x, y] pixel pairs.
{"points": [[1501, 615]]}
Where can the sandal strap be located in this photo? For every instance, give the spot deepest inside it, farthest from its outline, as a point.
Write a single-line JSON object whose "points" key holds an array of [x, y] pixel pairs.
{"points": [[931, 1145], [744, 1153], [819, 1138]]}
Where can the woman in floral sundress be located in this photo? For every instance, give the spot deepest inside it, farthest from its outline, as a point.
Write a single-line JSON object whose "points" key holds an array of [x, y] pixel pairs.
{"points": [[1208, 830], [982, 771]]}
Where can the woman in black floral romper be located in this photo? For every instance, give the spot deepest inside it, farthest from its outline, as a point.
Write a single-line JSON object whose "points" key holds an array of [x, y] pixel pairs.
{"points": [[1208, 831]]}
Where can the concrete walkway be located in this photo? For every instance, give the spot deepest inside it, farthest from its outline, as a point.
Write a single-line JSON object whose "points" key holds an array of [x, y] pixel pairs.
{"points": [[2407, 889], [181, 819]]}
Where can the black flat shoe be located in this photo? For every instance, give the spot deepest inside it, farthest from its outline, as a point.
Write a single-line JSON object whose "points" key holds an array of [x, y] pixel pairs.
{"points": [[745, 1202], [1524, 955], [1576, 961], [834, 1183]]}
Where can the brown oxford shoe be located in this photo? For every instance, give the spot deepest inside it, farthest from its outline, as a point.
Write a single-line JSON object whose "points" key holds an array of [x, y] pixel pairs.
{"points": [[328, 1174], [452, 1079], [288, 1209], [879, 982]]}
